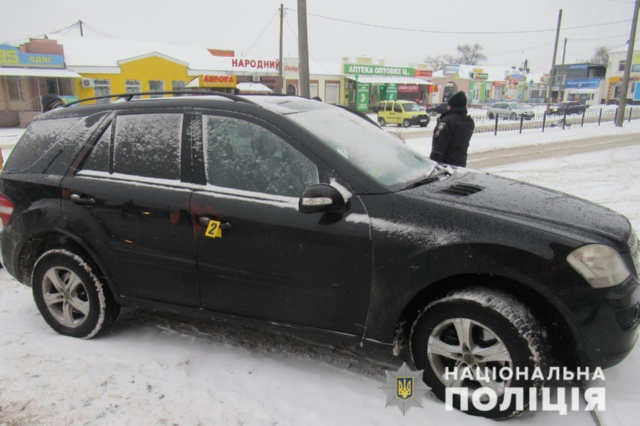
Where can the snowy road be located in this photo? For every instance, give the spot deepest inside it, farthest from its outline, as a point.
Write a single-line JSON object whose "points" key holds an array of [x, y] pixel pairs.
{"points": [[161, 369]]}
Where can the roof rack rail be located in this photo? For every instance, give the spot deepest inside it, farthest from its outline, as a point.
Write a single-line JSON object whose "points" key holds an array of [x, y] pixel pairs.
{"points": [[129, 96]]}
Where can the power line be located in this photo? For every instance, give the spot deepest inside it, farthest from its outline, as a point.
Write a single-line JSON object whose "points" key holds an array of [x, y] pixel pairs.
{"points": [[421, 30], [259, 35]]}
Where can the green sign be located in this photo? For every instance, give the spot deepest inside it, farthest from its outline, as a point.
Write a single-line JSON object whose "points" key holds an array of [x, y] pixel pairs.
{"points": [[362, 97], [391, 93], [378, 70]]}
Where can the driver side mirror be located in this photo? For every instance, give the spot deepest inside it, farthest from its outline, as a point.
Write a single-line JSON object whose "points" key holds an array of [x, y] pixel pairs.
{"points": [[321, 198]]}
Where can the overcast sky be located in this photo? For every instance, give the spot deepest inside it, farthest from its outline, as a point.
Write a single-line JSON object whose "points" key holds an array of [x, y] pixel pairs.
{"points": [[239, 25]]}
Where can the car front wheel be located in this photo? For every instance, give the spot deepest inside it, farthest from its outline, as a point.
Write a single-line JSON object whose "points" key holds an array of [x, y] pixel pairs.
{"points": [[70, 297], [381, 122], [477, 330], [406, 123]]}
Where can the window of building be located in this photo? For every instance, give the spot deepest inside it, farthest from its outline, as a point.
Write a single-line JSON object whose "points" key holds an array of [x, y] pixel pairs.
{"points": [[242, 155], [156, 86], [177, 85], [133, 86], [102, 88], [148, 145], [331, 93], [313, 90], [621, 65], [15, 88]]}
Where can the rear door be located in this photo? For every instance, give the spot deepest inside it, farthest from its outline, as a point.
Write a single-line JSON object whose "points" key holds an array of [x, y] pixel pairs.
{"points": [[127, 200], [262, 258]]}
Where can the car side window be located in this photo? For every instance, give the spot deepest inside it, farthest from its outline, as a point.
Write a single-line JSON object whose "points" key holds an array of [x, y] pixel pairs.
{"points": [[148, 145], [242, 155], [397, 108], [98, 159], [388, 106]]}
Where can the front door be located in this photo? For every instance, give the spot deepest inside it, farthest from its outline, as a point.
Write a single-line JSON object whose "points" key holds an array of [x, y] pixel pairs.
{"points": [[136, 210], [257, 255]]}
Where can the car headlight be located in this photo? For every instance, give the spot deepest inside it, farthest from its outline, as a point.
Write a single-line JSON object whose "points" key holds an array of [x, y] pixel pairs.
{"points": [[600, 265]]}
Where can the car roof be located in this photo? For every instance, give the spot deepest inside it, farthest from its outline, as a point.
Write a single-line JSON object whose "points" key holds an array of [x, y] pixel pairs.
{"points": [[274, 103]]}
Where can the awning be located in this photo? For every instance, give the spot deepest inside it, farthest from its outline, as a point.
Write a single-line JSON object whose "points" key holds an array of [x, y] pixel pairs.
{"points": [[253, 88], [382, 79], [38, 72]]}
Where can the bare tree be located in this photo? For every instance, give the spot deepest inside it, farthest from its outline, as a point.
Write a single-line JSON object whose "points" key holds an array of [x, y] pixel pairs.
{"points": [[601, 56], [470, 54], [438, 62]]}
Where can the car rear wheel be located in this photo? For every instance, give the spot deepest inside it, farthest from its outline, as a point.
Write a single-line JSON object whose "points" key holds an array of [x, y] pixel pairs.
{"points": [[474, 329], [70, 297], [490, 115], [513, 116], [406, 123], [381, 122]]}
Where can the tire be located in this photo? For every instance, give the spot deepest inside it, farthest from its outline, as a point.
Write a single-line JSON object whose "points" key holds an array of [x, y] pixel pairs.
{"points": [[490, 116], [406, 123], [70, 297], [513, 116], [381, 122], [424, 124], [494, 319]]}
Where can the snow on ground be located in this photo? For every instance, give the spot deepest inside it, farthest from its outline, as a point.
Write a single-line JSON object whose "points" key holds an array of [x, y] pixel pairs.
{"points": [[165, 369], [487, 141]]}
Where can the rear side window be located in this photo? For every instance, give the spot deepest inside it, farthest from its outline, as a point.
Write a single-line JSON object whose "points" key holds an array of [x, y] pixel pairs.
{"points": [[44, 140], [148, 145], [99, 157], [397, 108]]}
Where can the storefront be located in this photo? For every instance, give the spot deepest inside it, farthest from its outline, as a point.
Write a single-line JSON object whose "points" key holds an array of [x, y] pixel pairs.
{"points": [[217, 82], [27, 73], [367, 85], [585, 90]]}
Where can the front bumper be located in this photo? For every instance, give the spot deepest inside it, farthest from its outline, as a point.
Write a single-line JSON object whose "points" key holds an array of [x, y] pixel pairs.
{"points": [[608, 324], [420, 120]]}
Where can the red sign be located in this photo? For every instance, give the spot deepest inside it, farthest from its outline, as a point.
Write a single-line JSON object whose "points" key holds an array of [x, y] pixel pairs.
{"points": [[408, 88], [423, 73], [255, 64]]}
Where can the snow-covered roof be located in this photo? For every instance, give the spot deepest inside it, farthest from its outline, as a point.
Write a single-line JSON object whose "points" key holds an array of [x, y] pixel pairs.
{"points": [[253, 87]]}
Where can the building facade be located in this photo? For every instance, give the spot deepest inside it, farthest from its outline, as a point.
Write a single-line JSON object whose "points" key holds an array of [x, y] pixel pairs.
{"points": [[615, 73], [28, 72], [583, 82]]}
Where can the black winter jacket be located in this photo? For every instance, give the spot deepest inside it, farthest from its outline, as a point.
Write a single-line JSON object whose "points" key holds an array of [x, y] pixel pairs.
{"points": [[451, 137]]}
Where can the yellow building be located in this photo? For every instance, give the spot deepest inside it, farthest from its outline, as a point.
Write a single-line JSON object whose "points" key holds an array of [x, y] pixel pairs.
{"points": [[152, 72]]}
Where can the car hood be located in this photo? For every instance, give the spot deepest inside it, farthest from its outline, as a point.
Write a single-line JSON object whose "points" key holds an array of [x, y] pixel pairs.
{"points": [[520, 200]]}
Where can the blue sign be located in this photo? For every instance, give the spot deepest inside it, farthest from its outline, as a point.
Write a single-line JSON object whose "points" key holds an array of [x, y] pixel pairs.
{"points": [[579, 67], [583, 83], [12, 57], [636, 93]]}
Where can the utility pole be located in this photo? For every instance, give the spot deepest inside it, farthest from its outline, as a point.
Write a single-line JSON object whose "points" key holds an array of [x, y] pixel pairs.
{"points": [[564, 50], [553, 61], [81, 30], [303, 49], [281, 68], [627, 67]]}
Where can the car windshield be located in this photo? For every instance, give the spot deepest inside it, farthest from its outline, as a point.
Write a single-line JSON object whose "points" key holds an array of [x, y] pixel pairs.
{"points": [[408, 107], [370, 149], [519, 106]]}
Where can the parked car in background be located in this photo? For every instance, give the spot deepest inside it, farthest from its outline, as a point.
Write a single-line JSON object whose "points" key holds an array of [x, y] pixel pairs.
{"points": [[437, 109], [402, 113], [570, 107], [510, 110]]}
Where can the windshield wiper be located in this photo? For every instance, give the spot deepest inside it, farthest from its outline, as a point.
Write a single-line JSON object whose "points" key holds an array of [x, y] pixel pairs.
{"points": [[433, 176]]}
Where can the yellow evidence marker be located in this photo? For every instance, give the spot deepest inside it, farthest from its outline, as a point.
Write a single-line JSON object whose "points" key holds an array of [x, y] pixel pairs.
{"points": [[213, 229]]}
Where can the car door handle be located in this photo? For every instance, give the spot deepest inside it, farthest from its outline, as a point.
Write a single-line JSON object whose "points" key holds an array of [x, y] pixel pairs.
{"points": [[204, 221], [82, 200]]}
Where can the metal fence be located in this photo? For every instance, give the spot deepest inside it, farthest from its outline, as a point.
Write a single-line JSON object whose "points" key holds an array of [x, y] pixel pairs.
{"points": [[543, 120]]}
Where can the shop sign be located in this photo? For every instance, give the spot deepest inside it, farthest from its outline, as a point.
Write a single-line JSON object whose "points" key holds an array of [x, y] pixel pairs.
{"points": [[290, 68], [408, 88], [255, 64], [378, 70], [12, 57], [480, 76], [451, 69], [635, 63], [391, 93], [583, 83], [362, 97], [423, 73], [208, 80]]}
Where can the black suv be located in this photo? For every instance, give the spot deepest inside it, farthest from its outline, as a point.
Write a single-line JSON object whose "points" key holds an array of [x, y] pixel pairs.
{"points": [[570, 107], [286, 212]]}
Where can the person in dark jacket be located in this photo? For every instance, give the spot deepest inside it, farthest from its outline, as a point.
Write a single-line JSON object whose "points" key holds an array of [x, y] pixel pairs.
{"points": [[452, 133]]}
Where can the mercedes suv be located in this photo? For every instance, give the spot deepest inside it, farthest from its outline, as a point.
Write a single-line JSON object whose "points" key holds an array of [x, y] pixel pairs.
{"points": [[278, 211]]}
